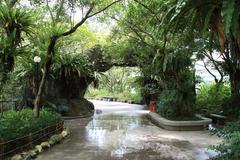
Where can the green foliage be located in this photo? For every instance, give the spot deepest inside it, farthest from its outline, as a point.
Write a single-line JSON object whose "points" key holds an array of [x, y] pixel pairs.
{"points": [[230, 107], [211, 97], [200, 14], [123, 96], [21, 123], [227, 14], [119, 79], [163, 59], [150, 88], [43, 33], [135, 97], [14, 89], [176, 80], [67, 65], [15, 19], [97, 93], [166, 105], [118, 82], [13, 23], [216, 20], [179, 100], [230, 146]]}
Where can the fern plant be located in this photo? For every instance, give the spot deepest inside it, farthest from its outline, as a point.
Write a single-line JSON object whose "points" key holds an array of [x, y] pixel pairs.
{"points": [[67, 65], [221, 17], [13, 22]]}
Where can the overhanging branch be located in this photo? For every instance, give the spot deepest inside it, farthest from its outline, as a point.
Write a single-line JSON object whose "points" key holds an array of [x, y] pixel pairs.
{"points": [[87, 16], [103, 9]]}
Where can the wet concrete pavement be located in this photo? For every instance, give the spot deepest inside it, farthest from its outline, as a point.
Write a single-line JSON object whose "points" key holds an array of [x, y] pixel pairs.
{"points": [[122, 131]]}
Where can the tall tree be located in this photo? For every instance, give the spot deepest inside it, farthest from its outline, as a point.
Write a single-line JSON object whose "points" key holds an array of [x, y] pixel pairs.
{"points": [[165, 61], [91, 8], [13, 23], [220, 19]]}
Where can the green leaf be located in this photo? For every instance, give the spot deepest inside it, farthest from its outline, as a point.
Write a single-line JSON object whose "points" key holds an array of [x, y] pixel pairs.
{"points": [[235, 21], [227, 14], [207, 19]]}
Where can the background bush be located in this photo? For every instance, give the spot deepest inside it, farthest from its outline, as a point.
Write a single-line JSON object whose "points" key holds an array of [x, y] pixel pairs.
{"points": [[230, 146], [166, 105], [99, 93], [17, 124], [118, 82], [211, 98]]}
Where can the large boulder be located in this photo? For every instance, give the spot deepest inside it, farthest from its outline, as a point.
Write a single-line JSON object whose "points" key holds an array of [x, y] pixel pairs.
{"points": [[73, 87], [67, 96], [72, 107]]}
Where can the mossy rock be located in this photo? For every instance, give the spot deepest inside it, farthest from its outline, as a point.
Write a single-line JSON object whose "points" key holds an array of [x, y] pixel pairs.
{"points": [[55, 139], [71, 107]]}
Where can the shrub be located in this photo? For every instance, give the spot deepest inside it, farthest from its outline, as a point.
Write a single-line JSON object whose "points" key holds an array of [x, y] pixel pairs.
{"points": [[230, 147], [166, 105], [96, 93], [135, 97], [176, 103], [211, 97], [125, 95], [17, 124], [231, 107]]}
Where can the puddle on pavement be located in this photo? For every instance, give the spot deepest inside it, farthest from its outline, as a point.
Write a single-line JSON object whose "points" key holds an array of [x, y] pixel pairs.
{"points": [[110, 130], [121, 131], [128, 134]]}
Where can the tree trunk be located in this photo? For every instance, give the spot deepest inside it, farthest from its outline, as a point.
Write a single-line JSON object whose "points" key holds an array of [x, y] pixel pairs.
{"points": [[235, 84], [41, 88], [47, 66], [50, 51], [233, 105], [234, 75]]}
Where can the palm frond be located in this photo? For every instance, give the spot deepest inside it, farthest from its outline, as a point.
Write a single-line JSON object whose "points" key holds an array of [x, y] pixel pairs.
{"points": [[68, 65]]}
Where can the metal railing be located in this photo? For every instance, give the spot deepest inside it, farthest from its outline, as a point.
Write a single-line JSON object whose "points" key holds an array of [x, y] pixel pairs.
{"points": [[22, 143]]}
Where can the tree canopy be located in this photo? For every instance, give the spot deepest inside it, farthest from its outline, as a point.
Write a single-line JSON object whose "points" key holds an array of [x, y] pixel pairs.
{"points": [[163, 38]]}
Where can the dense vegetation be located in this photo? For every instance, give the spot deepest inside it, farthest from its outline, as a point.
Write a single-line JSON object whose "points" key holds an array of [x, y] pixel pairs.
{"points": [[119, 82], [230, 146], [18, 124], [45, 29], [212, 98], [171, 40], [165, 48], [163, 39]]}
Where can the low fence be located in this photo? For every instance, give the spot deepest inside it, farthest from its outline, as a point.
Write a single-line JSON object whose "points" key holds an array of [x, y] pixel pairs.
{"points": [[26, 142]]}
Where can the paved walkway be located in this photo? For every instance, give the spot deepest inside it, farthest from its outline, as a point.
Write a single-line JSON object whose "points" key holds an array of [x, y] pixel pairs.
{"points": [[121, 131]]}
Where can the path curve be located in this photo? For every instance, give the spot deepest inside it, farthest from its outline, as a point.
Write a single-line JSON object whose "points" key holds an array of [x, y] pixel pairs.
{"points": [[121, 131]]}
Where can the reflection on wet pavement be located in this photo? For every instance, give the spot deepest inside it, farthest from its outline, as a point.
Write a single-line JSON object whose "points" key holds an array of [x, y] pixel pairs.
{"points": [[130, 134], [112, 131], [122, 131]]}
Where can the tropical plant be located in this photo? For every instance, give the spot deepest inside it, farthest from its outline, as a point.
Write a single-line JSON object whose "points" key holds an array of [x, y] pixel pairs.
{"points": [[13, 23], [118, 82], [230, 146], [67, 65], [218, 20], [165, 61], [21, 123], [211, 98], [92, 8]]}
